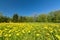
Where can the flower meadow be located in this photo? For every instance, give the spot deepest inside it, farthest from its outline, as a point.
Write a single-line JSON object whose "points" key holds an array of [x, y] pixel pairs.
{"points": [[29, 31]]}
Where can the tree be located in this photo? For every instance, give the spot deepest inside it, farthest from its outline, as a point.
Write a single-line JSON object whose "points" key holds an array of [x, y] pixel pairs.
{"points": [[54, 16], [42, 18], [15, 17]]}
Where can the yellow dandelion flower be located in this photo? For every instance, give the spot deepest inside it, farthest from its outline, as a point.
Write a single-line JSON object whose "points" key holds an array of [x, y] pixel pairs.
{"points": [[17, 34], [1, 33], [23, 31], [46, 27], [58, 36], [6, 35], [37, 34], [28, 31], [59, 30], [50, 29], [9, 35], [47, 34], [10, 31]]}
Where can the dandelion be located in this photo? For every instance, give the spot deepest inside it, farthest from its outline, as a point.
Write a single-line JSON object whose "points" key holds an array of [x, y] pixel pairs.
{"points": [[47, 34], [1, 33], [17, 34], [46, 27], [28, 31], [37, 34], [6, 35], [10, 31], [58, 36], [6, 29], [50, 29], [9, 35], [23, 31], [59, 30]]}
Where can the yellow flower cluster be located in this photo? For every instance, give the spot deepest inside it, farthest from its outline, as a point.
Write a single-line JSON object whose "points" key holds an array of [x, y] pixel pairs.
{"points": [[32, 31]]}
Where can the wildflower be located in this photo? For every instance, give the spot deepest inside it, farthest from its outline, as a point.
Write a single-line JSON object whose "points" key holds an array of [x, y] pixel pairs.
{"points": [[58, 36], [28, 31], [1, 33], [59, 30], [6, 29], [37, 34], [9, 35], [46, 27], [50, 29], [23, 31], [6, 35], [47, 34], [10, 31], [17, 34]]}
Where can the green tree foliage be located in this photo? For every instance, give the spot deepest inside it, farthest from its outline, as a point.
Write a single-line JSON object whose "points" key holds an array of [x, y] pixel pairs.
{"points": [[42, 18], [53, 16], [4, 19], [15, 17]]}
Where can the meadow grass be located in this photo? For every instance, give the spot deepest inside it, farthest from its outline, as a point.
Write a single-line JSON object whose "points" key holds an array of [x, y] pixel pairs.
{"points": [[30, 31]]}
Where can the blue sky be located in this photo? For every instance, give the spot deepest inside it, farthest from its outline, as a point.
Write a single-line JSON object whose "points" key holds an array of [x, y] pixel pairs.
{"points": [[28, 7]]}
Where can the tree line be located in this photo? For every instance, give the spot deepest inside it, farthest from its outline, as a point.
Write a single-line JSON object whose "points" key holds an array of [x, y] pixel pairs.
{"points": [[53, 16]]}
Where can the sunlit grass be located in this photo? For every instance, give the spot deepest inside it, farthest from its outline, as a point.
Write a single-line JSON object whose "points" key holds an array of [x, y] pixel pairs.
{"points": [[29, 31]]}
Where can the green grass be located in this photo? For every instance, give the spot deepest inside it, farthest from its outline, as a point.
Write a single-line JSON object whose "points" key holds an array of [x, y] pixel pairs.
{"points": [[29, 31]]}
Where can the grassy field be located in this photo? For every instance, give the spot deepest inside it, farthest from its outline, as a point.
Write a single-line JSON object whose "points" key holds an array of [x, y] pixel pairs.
{"points": [[29, 31]]}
